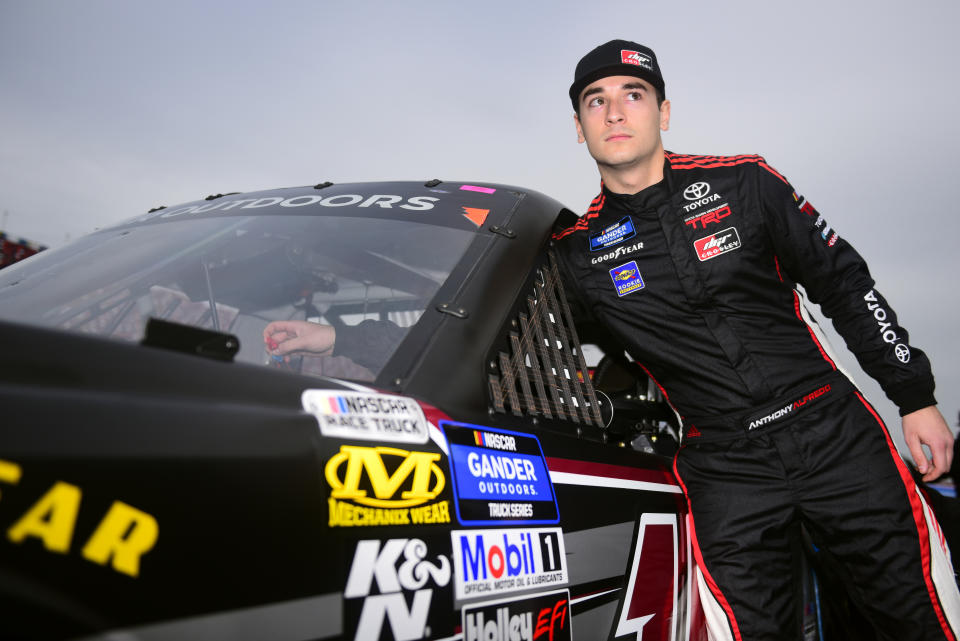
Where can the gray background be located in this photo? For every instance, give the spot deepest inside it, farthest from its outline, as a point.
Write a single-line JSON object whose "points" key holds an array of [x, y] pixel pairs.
{"points": [[109, 108]]}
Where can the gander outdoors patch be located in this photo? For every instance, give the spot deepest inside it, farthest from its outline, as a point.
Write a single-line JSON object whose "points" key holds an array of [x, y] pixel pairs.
{"points": [[626, 278], [612, 235]]}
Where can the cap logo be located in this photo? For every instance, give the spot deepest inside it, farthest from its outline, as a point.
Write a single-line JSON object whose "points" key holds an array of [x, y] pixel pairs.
{"points": [[636, 58]]}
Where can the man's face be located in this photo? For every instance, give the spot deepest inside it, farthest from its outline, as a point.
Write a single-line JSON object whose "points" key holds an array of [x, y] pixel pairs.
{"points": [[620, 121]]}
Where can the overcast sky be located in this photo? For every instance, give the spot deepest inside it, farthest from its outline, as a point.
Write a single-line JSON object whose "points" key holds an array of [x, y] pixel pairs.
{"points": [[109, 108]]}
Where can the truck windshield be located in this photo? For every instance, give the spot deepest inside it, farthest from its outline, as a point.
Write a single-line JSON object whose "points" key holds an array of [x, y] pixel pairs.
{"points": [[236, 274]]}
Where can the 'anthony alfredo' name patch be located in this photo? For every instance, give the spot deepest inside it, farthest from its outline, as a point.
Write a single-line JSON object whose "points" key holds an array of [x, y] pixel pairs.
{"points": [[499, 476], [616, 233], [787, 409], [626, 278]]}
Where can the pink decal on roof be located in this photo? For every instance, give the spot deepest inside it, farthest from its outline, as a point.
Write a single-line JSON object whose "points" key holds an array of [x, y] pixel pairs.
{"points": [[484, 190]]}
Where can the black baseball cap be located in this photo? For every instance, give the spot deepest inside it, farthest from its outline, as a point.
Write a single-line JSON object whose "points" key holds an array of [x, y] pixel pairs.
{"points": [[616, 58]]}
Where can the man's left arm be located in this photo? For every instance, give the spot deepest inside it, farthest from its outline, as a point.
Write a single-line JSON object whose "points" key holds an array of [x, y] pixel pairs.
{"points": [[836, 277]]}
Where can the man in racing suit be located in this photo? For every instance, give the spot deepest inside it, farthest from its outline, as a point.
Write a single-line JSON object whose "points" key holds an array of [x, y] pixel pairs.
{"points": [[693, 263]]}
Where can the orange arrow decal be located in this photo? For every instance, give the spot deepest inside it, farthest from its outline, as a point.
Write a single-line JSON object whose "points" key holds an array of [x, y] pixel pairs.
{"points": [[476, 216]]}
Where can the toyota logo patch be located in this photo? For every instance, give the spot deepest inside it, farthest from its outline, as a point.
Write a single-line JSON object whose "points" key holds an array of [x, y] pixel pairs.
{"points": [[696, 190]]}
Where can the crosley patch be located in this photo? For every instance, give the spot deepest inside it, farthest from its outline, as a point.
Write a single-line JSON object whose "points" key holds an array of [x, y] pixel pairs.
{"points": [[629, 57], [721, 242]]}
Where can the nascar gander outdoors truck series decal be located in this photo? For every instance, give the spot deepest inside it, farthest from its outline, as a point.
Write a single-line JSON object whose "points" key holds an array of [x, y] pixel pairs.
{"points": [[499, 476]]}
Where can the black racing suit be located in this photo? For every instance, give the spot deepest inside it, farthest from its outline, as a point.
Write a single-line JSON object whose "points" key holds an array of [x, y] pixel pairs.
{"points": [[697, 277]]}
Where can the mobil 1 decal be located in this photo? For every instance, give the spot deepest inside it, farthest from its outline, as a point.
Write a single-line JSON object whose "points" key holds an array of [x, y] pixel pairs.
{"points": [[499, 476], [541, 617], [399, 589], [490, 562]]}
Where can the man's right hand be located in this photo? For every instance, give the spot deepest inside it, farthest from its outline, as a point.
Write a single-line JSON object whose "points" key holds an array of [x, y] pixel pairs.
{"points": [[287, 337]]}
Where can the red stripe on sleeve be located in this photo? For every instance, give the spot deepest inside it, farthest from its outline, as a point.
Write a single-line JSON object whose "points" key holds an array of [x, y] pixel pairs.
{"points": [[583, 223]]}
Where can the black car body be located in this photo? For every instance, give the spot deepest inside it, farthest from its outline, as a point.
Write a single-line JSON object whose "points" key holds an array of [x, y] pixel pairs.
{"points": [[163, 476]]}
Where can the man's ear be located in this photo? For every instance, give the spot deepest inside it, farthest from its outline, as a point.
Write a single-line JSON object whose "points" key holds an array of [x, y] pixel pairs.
{"points": [[580, 138], [665, 115]]}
